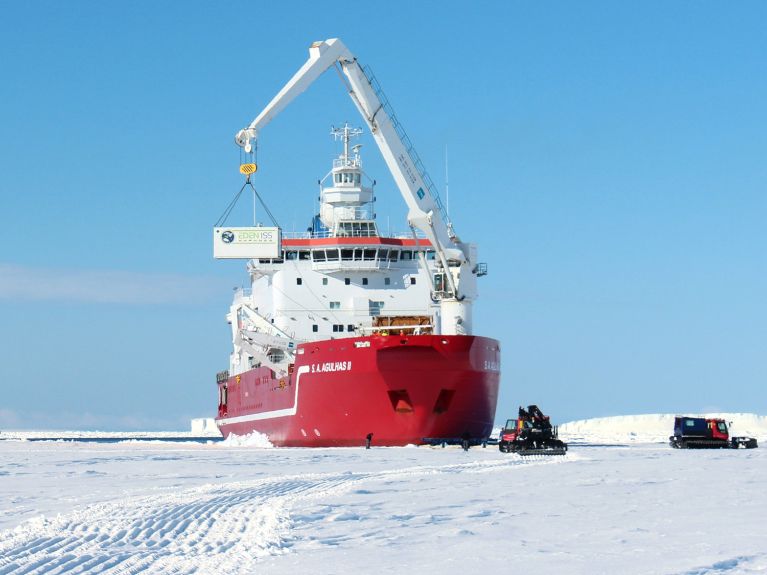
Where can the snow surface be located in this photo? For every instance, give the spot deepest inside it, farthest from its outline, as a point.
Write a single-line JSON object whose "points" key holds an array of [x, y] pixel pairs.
{"points": [[238, 507]]}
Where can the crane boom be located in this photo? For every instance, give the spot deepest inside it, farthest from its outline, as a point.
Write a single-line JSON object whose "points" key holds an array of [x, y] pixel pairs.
{"points": [[322, 55], [457, 260]]}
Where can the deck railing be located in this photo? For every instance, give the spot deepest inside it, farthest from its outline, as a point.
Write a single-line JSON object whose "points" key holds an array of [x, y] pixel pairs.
{"points": [[328, 234]]}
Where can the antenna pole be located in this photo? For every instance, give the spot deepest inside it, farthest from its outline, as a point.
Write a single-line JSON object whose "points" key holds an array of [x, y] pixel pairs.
{"points": [[447, 189], [346, 143]]}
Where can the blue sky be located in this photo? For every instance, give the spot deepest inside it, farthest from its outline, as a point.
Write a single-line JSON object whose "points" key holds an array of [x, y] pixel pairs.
{"points": [[608, 158]]}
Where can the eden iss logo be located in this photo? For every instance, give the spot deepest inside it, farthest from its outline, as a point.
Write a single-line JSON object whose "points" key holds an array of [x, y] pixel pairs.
{"points": [[247, 243]]}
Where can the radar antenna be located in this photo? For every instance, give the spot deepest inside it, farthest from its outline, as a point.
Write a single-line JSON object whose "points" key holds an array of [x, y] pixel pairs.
{"points": [[346, 133]]}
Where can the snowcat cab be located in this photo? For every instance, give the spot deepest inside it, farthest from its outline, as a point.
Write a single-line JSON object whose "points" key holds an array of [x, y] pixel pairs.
{"points": [[530, 434], [702, 433]]}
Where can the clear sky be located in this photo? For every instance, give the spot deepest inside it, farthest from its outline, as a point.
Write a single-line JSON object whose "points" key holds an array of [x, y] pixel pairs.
{"points": [[609, 159]]}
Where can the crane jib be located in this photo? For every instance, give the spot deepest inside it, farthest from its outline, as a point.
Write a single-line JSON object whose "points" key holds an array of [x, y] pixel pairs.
{"points": [[403, 162]]}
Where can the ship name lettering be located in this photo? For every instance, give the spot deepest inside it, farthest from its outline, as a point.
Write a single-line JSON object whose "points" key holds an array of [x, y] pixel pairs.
{"points": [[492, 365], [331, 366]]}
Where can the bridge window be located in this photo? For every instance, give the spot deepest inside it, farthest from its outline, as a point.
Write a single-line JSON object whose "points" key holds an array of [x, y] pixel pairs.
{"points": [[347, 255], [393, 254], [368, 255], [291, 255], [332, 255], [305, 255], [318, 255], [357, 229], [407, 255], [375, 307]]}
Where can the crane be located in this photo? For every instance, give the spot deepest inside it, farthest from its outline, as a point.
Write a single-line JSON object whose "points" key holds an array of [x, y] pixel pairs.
{"points": [[454, 281]]}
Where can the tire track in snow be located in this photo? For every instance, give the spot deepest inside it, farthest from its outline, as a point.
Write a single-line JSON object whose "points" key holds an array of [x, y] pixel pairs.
{"points": [[214, 528], [741, 564]]}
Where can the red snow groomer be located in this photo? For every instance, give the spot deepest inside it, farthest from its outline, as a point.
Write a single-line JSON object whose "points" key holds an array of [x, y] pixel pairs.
{"points": [[702, 433], [531, 434]]}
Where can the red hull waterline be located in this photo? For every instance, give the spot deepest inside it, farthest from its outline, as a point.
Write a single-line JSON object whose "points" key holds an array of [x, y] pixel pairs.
{"points": [[401, 389]]}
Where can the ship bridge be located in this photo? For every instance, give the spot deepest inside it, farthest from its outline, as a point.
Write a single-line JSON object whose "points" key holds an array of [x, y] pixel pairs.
{"points": [[346, 203], [336, 254]]}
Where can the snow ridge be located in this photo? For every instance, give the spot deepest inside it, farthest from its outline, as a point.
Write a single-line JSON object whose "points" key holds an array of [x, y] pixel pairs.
{"points": [[653, 428]]}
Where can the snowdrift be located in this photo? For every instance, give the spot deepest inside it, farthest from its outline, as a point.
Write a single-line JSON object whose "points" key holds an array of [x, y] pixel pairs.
{"points": [[653, 428], [253, 439]]}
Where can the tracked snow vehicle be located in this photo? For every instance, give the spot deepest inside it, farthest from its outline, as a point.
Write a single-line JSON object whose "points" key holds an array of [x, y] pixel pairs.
{"points": [[531, 434], [702, 433]]}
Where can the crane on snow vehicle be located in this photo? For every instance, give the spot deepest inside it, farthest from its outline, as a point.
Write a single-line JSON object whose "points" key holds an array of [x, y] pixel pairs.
{"points": [[531, 434]]}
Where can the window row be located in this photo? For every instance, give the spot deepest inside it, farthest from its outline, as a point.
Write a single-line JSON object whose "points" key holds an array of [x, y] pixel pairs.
{"points": [[377, 305], [348, 281], [352, 255], [346, 178], [337, 327], [357, 230]]}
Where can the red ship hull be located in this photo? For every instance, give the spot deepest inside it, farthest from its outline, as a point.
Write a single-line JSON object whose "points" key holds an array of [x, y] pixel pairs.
{"points": [[401, 389]]}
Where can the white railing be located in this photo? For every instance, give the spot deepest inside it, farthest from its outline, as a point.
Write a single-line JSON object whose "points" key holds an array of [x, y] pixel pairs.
{"points": [[346, 163], [395, 329], [407, 143], [363, 265], [349, 214], [328, 234]]}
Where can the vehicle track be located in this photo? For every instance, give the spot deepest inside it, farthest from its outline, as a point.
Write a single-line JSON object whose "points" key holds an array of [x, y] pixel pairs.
{"points": [[214, 528]]}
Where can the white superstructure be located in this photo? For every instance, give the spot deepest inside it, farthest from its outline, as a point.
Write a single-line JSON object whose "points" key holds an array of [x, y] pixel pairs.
{"points": [[339, 279], [343, 279]]}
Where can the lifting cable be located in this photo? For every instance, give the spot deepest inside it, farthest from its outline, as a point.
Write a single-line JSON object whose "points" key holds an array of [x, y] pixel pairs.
{"points": [[230, 207], [263, 204], [247, 167]]}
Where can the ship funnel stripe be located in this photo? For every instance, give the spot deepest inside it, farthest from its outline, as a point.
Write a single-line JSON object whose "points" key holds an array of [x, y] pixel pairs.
{"points": [[289, 411]]}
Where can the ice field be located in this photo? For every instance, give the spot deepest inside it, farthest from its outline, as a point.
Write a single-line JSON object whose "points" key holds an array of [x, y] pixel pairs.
{"points": [[617, 505]]}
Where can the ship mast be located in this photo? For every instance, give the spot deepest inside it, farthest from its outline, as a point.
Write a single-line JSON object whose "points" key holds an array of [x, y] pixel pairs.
{"points": [[346, 204], [346, 133]]}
